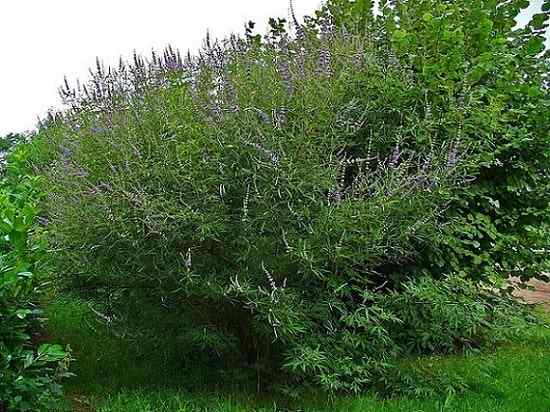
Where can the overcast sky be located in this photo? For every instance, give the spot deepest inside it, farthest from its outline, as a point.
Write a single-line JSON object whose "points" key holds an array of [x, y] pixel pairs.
{"points": [[41, 41]]}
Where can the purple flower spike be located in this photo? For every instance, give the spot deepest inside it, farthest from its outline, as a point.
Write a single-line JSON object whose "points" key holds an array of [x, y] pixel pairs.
{"points": [[395, 156], [300, 33], [452, 158], [286, 75], [324, 62]]}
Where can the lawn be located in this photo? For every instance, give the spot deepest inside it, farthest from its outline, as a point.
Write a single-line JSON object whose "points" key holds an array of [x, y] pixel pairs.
{"points": [[110, 377]]}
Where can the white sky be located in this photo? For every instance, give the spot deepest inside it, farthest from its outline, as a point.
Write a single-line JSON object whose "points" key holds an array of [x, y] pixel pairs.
{"points": [[43, 40]]}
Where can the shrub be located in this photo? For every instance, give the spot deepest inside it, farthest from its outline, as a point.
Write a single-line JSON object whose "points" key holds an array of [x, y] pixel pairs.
{"points": [[267, 191], [29, 378], [259, 213]]}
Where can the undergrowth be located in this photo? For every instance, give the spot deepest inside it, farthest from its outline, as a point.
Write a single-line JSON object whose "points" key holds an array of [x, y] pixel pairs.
{"points": [[480, 381]]}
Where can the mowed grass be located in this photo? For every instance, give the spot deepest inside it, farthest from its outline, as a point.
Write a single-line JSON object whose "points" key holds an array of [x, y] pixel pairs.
{"points": [[113, 375]]}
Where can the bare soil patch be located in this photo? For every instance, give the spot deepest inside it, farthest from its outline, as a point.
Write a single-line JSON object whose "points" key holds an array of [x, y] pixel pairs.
{"points": [[537, 292]]}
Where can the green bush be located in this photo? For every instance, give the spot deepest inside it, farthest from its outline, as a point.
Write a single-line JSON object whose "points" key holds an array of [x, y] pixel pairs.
{"points": [[262, 215], [29, 377], [269, 190]]}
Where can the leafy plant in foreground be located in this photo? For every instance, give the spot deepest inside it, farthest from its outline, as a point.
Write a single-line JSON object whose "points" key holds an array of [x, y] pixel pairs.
{"points": [[29, 377]]}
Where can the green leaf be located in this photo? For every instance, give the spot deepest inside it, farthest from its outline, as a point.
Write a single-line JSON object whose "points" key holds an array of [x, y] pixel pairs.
{"points": [[534, 91], [51, 352], [535, 45], [22, 313], [25, 275], [29, 359], [538, 20]]}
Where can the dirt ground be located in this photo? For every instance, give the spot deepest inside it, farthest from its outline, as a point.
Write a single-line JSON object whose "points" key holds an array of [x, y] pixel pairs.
{"points": [[539, 292]]}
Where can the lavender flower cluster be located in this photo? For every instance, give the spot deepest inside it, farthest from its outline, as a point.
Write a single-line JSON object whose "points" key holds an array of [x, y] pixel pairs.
{"points": [[211, 85]]}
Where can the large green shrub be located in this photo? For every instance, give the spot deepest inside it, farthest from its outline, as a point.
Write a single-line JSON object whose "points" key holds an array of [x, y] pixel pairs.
{"points": [[29, 373], [269, 190]]}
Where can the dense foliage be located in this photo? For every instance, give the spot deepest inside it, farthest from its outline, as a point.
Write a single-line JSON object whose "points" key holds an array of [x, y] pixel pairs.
{"points": [[468, 53], [29, 376], [315, 202]]}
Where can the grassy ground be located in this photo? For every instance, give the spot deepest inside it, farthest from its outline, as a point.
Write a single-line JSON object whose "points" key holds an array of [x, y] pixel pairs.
{"points": [[113, 376]]}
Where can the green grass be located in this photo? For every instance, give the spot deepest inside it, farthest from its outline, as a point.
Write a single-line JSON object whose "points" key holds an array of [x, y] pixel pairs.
{"points": [[115, 376]]}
